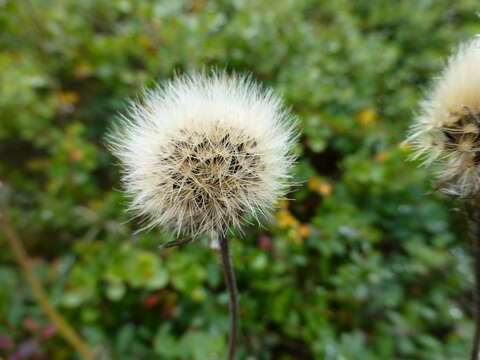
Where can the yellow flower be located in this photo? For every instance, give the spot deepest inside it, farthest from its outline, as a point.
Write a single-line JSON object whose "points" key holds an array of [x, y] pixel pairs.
{"points": [[367, 117], [297, 239], [296, 230], [303, 230], [76, 154], [298, 233], [381, 156], [286, 219], [320, 186], [68, 97], [82, 70]]}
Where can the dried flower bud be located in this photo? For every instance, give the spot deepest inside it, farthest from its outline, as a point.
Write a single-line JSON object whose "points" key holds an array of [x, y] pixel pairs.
{"points": [[447, 132], [201, 152]]}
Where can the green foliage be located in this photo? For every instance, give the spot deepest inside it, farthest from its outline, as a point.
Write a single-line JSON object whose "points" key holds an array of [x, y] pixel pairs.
{"points": [[365, 264]]}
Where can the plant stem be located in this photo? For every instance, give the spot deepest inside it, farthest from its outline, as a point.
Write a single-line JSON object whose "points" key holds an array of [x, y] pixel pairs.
{"points": [[231, 284], [472, 211], [476, 264], [21, 256], [176, 243]]}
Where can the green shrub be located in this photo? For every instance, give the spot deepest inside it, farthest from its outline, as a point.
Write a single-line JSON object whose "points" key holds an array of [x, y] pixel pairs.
{"points": [[365, 264]]}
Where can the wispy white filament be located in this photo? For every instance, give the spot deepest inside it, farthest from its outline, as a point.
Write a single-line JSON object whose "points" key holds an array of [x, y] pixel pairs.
{"points": [[202, 152]]}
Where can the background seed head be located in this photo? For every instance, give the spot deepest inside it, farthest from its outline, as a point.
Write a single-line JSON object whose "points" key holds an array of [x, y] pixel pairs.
{"points": [[447, 131], [202, 152]]}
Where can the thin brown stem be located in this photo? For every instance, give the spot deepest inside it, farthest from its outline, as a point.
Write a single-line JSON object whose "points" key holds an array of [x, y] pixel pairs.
{"points": [[476, 264], [176, 243], [231, 284], [23, 260], [472, 211]]}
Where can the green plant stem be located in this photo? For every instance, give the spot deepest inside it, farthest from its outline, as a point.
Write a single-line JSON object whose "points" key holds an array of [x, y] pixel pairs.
{"points": [[231, 284], [40, 294]]}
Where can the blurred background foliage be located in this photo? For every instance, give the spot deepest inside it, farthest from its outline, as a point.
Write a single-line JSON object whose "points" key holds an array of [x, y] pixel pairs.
{"points": [[365, 264]]}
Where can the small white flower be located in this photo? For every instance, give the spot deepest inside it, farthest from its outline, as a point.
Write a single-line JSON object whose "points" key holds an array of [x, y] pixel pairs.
{"points": [[447, 131], [202, 152]]}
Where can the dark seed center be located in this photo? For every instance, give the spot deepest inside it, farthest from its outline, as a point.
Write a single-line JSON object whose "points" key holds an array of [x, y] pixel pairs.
{"points": [[456, 135]]}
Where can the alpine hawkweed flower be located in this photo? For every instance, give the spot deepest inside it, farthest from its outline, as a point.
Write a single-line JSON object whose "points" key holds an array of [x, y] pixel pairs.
{"points": [[447, 131], [447, 134], [202, 152]]}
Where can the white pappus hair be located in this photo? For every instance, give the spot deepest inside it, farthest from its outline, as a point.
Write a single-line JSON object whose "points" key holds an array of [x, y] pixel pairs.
{"points": [[447, 131], [202, 152]]}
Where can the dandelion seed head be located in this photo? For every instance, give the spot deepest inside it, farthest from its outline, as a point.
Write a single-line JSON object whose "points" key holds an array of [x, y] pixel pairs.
{"points": [[202, 152], [446, 134]]}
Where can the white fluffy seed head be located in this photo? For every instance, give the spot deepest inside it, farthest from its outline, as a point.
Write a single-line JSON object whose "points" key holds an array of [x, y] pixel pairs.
{"points": [[447, 131], [202, 152]]}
